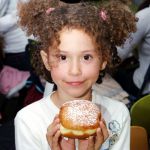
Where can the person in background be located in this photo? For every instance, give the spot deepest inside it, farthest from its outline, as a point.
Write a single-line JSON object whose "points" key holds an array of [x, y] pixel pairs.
{"points": [[132, 81], [76, 43], [15, 39]]}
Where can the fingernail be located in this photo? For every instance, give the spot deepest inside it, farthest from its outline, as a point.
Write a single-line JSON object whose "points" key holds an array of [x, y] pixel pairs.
{"points": [[57, 120], [65, 138], [99, 129], [58, 126], [91, 137]]}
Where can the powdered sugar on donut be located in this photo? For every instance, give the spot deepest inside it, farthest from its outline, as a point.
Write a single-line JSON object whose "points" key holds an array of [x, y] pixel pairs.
{"points": [[82, 112]]}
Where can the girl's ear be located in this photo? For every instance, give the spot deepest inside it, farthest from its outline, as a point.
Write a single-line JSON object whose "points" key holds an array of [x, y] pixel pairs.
{"points": [[45, 59], [103, 66]]}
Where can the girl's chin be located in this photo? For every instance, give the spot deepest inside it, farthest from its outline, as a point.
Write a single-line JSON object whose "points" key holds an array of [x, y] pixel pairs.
{"points": [[79, 94]]}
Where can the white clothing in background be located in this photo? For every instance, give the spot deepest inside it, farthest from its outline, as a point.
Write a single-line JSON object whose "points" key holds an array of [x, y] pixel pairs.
{"points": [[141, 40], [15, 38], [3, 6]]}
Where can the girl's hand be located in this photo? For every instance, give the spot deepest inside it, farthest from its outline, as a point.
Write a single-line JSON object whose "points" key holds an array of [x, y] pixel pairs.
{"points": [[54, 138], [95, 142]]}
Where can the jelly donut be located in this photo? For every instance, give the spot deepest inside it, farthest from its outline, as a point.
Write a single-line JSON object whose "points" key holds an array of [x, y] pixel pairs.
{"points": [[79, 119]]}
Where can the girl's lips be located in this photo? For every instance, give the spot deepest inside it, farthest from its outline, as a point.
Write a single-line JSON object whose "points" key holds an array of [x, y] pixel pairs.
{"points": [[76, 83]]}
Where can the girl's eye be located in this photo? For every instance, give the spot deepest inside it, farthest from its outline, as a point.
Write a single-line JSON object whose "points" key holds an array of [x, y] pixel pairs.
{"points": [[62, 57], [87, 57]]}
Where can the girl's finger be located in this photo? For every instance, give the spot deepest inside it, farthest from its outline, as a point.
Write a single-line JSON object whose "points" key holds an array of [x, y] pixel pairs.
{"points": [[56, 117], [69, 142], [55, 122], [51, 131], [91, 143], [104, 129], [99, 139], [55, 139], [83, 144]]}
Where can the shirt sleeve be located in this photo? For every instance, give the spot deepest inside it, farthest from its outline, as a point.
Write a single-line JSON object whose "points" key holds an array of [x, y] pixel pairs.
{"points": [[8, 21], [123, 142], [26, 133], [1, 3]]}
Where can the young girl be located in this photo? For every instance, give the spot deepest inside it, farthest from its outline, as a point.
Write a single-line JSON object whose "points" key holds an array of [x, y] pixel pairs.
{"points": [[76, 42]]}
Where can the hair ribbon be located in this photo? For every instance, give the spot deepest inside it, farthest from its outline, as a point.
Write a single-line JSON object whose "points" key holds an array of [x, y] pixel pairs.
{"points": [[103, 15], [49, 10]]}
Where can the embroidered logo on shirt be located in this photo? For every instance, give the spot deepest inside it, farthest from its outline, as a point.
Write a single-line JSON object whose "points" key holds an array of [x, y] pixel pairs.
{"points": [[114, 128]]}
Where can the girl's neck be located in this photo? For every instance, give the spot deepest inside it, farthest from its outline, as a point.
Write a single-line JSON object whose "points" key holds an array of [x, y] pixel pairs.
{"points": [[59, 99]]}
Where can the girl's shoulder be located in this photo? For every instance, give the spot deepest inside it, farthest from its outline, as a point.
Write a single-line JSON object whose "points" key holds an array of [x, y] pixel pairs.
{"points": [[36, 109], [111, 106], [117, 118], [105, 100], [30, 109]]}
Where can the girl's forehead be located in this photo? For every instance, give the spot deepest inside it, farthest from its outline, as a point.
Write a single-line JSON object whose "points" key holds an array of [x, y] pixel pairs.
{"points": [[70, 29], [71, 39], [75, 39], [76, 34]]}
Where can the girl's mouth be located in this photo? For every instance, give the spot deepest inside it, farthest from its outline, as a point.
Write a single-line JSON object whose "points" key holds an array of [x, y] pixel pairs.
{"points": [[75, 83]]}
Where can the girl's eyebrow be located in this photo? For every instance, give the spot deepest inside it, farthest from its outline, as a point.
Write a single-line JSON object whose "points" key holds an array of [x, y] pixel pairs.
{"points": [[84, 51], [90, 50], [62, 51]]}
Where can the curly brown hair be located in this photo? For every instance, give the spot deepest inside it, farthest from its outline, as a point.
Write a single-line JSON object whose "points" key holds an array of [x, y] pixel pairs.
{"points": [[107, 32]]}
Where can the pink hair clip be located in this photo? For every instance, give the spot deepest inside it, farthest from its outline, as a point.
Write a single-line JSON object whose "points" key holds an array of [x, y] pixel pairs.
{"points": [[49, 10], [103, 15]]}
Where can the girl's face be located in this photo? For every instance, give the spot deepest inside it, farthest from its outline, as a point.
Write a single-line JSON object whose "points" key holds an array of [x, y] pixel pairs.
{"points": [[77, 65]]}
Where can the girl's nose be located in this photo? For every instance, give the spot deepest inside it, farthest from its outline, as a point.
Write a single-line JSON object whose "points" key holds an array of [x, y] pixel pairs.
{"points": [[75, 67]]}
